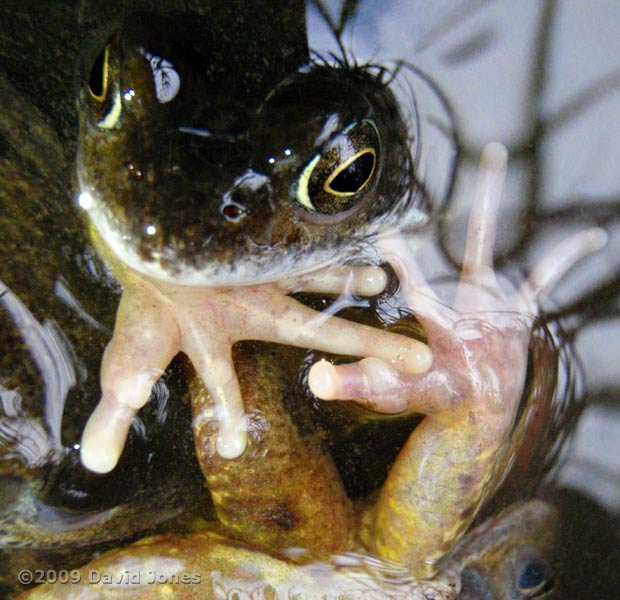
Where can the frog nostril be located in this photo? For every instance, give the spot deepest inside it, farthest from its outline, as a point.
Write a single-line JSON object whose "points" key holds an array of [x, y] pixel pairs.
{"points": [[251, 192], [233, 211], [263, 194], [246, 195]]}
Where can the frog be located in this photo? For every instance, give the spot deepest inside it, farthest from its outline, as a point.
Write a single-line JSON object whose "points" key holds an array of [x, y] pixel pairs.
{"points": [[162, 68], [209, 250], [308, 188], [509, 555], [470, 396]]}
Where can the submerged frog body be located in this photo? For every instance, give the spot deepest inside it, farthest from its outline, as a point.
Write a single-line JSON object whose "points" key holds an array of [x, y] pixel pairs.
{"points": [[508, 557]]}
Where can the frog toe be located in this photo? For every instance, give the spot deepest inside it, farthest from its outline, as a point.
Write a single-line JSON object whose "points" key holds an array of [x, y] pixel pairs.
{"points": [[355, 281], [144, 342], [557, 263]]}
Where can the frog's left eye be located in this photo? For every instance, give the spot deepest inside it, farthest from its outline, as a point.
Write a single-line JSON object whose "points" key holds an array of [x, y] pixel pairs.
{"points": [[103, 95], [338, 177], [535, 578]]}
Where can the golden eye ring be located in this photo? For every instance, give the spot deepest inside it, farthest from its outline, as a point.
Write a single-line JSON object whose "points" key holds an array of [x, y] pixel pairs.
{"points": [[106, 107], [327, 185], [104, 79]]}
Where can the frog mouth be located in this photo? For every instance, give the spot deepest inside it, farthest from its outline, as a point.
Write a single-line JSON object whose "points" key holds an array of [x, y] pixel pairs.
{"points": [[256, 261]]}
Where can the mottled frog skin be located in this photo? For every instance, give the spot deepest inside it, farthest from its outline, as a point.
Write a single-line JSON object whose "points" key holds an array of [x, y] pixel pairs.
{"points": [[214, 216], [508, 557]]}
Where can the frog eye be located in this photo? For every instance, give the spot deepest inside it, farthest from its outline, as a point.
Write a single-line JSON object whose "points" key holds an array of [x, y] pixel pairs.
{"points": [[535, 578], [338, 177], [103, 96]]}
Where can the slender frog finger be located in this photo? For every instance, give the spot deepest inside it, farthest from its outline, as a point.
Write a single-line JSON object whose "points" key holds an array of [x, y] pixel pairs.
{"points": [[362, 381], [377, 386], [298, 325], [482, 226], [135, 358], [213, 362], [358, 281], [105, 434], [556, 263], [232, 435]]}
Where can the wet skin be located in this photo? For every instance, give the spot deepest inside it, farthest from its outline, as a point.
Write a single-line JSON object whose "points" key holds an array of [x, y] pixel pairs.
{"points": [[453, 461], [508, 557], [455, 433]]}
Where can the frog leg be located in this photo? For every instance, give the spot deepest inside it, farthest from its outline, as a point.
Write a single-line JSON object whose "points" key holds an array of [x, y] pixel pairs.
{"points": [[284, 491], [470, 396]]}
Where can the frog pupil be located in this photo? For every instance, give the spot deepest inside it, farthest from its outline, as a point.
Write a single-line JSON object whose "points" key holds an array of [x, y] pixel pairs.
{"points": [[97, 76], [352, 178]]}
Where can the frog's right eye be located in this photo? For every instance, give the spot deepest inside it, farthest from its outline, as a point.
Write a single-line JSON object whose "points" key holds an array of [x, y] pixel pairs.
{"points": [[336, 179], [103, 93]]}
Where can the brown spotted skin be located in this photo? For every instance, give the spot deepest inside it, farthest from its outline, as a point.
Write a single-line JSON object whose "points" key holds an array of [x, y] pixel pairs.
{"points": [[285, 490], [490, 562]]}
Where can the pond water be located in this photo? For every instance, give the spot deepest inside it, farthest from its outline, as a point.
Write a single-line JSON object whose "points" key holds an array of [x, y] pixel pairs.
{"points": [[542, 78]]}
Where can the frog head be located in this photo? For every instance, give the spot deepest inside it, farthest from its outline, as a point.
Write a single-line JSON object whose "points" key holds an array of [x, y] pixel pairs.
{"points": [[186, 184]]}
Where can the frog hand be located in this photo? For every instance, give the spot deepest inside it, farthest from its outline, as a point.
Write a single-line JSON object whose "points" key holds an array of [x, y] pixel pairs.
{"points": [[157, 320], [471, 394]]}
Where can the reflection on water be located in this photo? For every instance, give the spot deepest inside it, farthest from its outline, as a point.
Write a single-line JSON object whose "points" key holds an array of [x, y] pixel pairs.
{"points": [[543, 78]]}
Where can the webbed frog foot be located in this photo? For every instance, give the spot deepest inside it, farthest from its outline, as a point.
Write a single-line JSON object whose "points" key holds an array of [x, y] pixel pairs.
{"points": [[469, 397], [156, 320]]}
